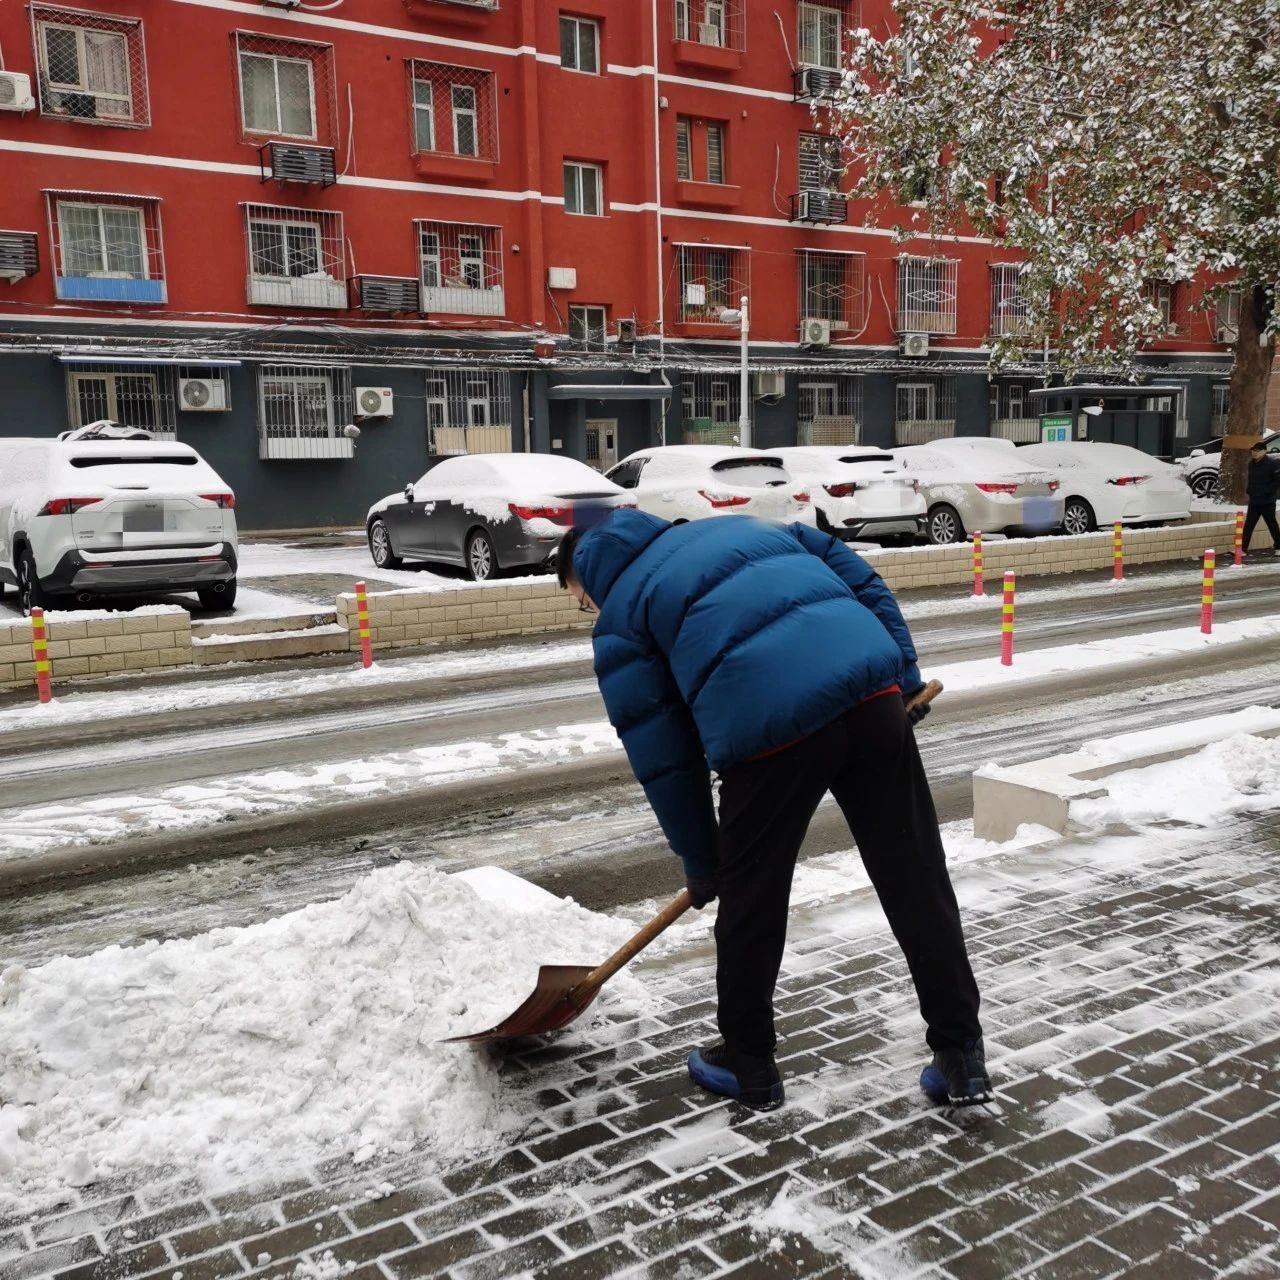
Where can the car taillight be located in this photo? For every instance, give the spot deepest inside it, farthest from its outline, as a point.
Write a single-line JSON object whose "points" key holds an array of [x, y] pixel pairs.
{"points": [[1129, 480], [557, 515], [718, 499], [841, 490], [65, 506], [1053, 486], [802, 496], [997, 488], [226, 501]]}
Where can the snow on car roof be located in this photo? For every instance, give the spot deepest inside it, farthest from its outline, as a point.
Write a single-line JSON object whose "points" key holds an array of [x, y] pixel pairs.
{"points": [[699, 451], [527, 471]]}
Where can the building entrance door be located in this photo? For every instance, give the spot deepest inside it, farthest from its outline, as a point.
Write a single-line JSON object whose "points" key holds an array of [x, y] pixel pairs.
{"points": [[602, 443]]}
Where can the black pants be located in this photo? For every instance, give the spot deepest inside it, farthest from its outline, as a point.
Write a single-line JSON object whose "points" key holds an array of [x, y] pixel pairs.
{"points": [[1266, 512], [869, 761]]}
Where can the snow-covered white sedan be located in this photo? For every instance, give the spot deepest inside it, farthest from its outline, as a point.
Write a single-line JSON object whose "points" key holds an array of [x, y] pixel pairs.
{"points": [[487, 512], [968, 487], [682, 482], [1104, 483], [858, 491]]}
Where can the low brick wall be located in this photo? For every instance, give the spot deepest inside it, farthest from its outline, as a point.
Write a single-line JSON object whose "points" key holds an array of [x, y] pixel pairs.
{"points": [[398, 619], [97, 643]]}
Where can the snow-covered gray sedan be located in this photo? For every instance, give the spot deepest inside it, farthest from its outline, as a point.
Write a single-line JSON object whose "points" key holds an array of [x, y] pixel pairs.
{"points": [[487, 512]]}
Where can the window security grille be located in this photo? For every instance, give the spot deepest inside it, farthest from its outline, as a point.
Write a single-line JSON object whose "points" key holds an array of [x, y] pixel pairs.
{"points": [[1012, 411], [833, 286], [1009, 313], [461, 268], [926, 295], [468, 411], [719, 24], [821, 30], [1221, 407], [106, 248], [287, 89], [684, 149], [580, 44], [925, 409], [302, 410], [132, 395], [829, 411], [1168, 298], [91, 66], [454, 110], [715, 153], [1227, 316], [820, 166], [19, 255], [587, 327], [712, 278], [709, 407], [296, 257]]}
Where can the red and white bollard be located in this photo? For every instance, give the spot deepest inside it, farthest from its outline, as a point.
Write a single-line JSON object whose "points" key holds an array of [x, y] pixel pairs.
{"points": [[978, 588], [362, 617], [1006, 622], [1117, 552], [1206, 595], [1238, 559], [40, 652]]}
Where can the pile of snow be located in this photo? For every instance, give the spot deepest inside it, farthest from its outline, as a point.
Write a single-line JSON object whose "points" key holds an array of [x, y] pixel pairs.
{"points": [[240, 1053], [1239, 774]]}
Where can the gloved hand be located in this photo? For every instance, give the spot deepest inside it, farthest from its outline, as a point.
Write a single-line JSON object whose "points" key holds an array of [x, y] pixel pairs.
{"points": [[702, 889], [918, 713]]}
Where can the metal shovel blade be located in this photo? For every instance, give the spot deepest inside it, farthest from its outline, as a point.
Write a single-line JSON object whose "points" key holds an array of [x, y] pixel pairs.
{"points": [[556, 1001]]}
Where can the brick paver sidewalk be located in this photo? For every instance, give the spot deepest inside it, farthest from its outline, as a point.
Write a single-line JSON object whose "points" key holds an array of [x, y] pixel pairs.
{"points": [[1133, 1026]]}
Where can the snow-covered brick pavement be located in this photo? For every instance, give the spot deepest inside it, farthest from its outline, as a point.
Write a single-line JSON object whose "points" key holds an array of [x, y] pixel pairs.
{"points": [[254, 1052]]}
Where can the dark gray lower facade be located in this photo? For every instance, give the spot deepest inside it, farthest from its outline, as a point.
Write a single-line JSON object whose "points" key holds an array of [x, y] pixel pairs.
{"points": [[274, 416]]}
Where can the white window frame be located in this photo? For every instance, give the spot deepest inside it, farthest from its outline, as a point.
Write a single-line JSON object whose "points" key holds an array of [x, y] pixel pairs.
{"points": [[424, 111], [285, 226], [471, 253], [812, 391], [99, 209], [83, 88], [721, 402], [930, 401], [275, 59], [462, 113], [714, 14], [593, 322], [814, 16], [581, 25], [112, 397], [432, 258], [577, 174]]}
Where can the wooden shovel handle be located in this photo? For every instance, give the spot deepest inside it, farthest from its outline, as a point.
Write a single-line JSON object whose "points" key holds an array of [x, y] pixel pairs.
{"points": [[926, 695], [633, 946]]}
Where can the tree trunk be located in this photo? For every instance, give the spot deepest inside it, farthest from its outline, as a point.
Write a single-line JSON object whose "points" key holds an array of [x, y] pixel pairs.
{"points": [[1247, 392]]}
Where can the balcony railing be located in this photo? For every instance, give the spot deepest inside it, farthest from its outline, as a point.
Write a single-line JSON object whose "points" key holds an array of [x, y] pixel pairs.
{"points": [[321, 291], [1019, 430], [923, 431], [110, 286], [461, 300]]}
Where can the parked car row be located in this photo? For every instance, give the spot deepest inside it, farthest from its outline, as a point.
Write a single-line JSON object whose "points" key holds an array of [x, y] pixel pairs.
{"points": [[1202, 466]]}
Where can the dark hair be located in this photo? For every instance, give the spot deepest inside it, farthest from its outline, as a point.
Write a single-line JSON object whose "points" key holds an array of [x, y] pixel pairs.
{"points": [[564, 556], [1258, 444]]}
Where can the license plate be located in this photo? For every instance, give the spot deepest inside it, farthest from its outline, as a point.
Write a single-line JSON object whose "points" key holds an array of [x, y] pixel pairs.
{"points": [[144, 517]]}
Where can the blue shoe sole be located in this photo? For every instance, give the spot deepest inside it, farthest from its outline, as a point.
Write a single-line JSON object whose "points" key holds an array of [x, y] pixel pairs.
{"points": [[723, 1083]]}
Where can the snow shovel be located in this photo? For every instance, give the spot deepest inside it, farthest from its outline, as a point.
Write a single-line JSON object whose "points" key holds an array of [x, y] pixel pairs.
{"points": [[564, 991]]}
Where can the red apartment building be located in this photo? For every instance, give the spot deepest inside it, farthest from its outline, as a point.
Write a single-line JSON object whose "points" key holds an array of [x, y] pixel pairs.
{"points": [[470, 225]]}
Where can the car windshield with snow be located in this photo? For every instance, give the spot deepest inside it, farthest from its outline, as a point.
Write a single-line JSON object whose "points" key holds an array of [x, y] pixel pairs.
{"points": [[858, 491], [487, 513], [682, 482], [981, 485]]}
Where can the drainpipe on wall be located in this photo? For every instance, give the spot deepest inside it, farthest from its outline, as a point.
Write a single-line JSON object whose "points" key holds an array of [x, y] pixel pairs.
{"points": [[524, 406], [657, 206]]}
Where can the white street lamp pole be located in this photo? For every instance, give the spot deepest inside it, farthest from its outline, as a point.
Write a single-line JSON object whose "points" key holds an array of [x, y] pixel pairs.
{"points": [[744, 401]]}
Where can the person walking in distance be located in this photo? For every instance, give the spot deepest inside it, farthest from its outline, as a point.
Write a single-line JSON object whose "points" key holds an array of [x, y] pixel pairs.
{"points": [[777, 658], [1262, 487]]}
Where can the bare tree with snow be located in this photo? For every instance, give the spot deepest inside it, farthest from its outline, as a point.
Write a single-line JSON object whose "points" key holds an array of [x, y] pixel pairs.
{"points": [[1121, 147]]}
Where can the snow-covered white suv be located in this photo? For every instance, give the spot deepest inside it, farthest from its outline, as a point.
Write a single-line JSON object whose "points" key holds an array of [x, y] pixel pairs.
{"points": [[105, 512]]}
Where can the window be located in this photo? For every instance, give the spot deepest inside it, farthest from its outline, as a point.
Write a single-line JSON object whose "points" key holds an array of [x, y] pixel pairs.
{"points": [[301, 412], [1165, 297], [820, 36], [454, 110], [707, 163], [1012, 414], [106, 252], [926, 295], [718, 24], [684, 149], [583, 185], [712, 278], [1009, 314], [296, 257], [461, 268], [829, 412], [709, 408], [833, 288], [134, 398], [1221, 407], [1227, 325], [580, 44], [587, 326], [819, 162], [91, 66], [715, 152], [468, 411], [286, 88], [925, 410]]}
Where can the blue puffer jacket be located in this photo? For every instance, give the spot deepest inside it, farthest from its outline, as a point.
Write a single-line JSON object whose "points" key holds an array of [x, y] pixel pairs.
{"points": [[722, 639]]}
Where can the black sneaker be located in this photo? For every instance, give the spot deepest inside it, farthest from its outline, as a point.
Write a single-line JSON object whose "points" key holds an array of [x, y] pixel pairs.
{"points": [[754, 1082], [958, 1076]]}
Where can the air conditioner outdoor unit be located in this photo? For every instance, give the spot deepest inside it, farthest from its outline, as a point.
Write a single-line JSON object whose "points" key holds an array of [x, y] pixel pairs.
{"points": [[1227, 333], [710, 33], [627, 331], [815, 332], [771, 385], [915, 344], [374, 402], [202, 395], [817, 82], [562, 277], [15, 92]]}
